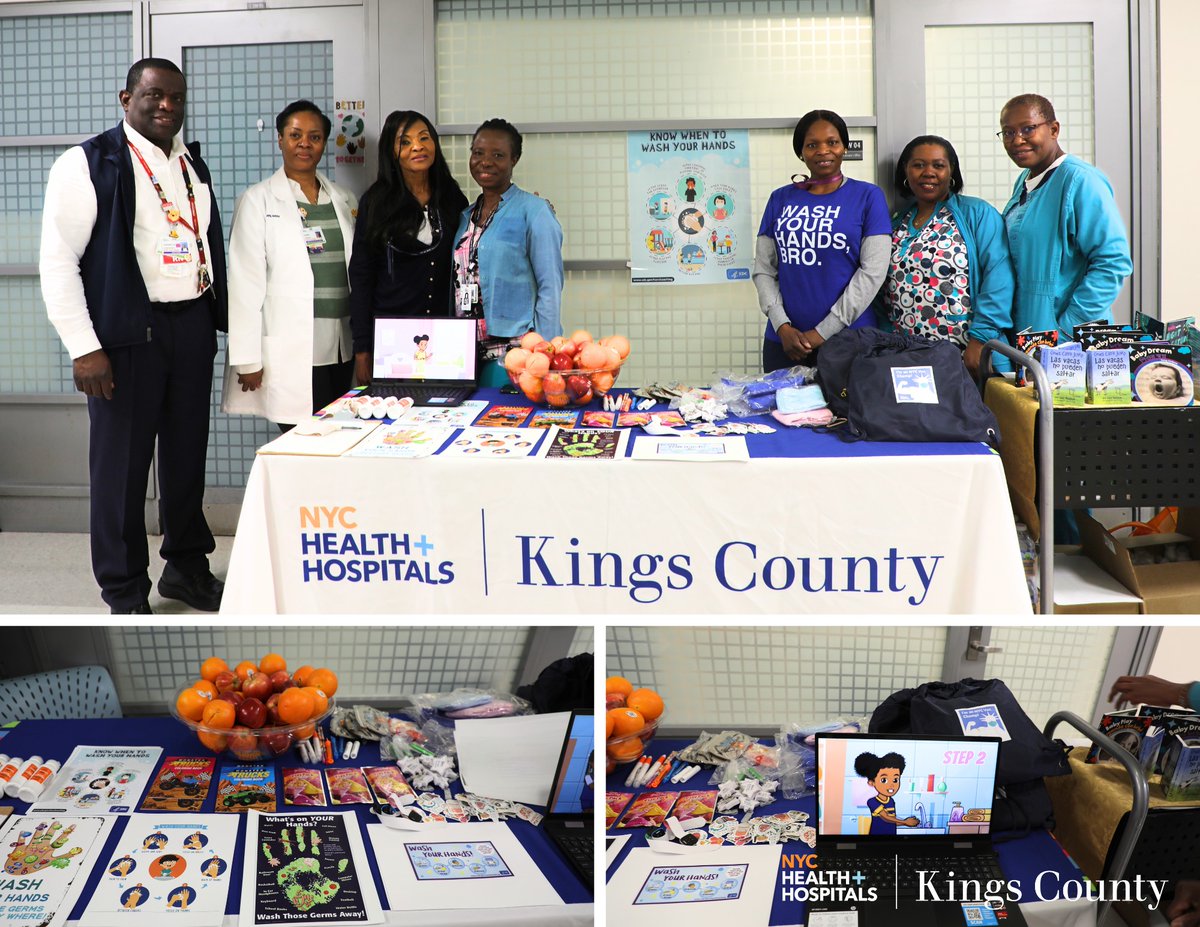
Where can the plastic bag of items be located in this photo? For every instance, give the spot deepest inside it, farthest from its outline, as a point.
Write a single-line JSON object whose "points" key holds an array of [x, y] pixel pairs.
{"points": [[469, 703], [755, 395], [798, 754]]}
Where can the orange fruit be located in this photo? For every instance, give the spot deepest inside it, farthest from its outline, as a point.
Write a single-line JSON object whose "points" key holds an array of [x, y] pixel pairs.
{"points": [[294, 706], [210, 667], [617, 685], [219, 714], [626, 721], [272, 663], [300, 676], [609, 730], [625, 750], [303, 733], [205, 688], [645, 701], [190, 704], [215, 742], [320, 701], [245, 670], [324, 679]]}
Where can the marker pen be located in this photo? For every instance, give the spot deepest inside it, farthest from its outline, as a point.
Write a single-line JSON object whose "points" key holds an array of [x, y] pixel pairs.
{"points": [[633, 771]]}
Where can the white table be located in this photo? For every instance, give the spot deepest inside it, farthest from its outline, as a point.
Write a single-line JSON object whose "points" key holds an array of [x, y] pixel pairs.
{"points": [[849, 532]]}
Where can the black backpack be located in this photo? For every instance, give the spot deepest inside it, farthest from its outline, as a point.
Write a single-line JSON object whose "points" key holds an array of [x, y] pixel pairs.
{"points": [[564, 685], [893, 387], [1022, 802]]}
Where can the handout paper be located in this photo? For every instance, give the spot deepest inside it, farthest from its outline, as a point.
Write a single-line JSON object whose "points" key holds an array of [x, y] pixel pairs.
{"points": [[56, 852], [704, 450], [513, 758], [330, 445], [455, 416], [100, 780], [445, 866], [167, 869], [731, 885], [402, 440]]}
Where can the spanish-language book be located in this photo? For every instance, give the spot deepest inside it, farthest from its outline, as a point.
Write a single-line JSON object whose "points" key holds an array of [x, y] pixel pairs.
{"points": [[241, 788], [1029, 342], [1161, 374], [1064, 369], [1181, 768], [1108, 377]]}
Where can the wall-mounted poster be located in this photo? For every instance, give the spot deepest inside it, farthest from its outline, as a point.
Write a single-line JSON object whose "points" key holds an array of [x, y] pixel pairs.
{"points": [[690, 217]]}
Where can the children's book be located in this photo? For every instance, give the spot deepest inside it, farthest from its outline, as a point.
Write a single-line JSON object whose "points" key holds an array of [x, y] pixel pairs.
{"points": [[241, 788], [1108, 377], [503, 417], [1162, 374], [1181, 768], [182, 784], [563, 418], [1029, 342], [1124, 727], [1065, 370]]}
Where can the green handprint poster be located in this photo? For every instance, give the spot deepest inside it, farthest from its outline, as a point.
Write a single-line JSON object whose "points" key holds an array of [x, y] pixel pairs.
{"points": [[45, 865], [305, 870]]}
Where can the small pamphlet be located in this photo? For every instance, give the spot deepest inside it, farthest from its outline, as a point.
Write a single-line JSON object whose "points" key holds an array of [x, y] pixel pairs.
{"points": [[698, 804], [348, 786], [594, 419], [403, 440], [614, 804], [504, 417], [1108, 377], [453, 416], [649, 809], [1029, 342], [563, 418], [586, 444], [492, 443], [388, 784], [303, 787], [242, 788], [1065, 370], [182, 784]]}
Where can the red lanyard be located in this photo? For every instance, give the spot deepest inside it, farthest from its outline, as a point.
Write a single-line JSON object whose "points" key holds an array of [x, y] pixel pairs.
{"points": [[173, 215]]}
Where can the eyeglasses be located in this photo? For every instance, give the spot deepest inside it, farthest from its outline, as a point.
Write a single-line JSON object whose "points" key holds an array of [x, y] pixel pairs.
{"points": [[1008, 135]]}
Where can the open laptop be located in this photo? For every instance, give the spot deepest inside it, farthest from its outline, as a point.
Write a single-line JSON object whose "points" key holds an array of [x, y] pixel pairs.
{"points": [[569, 814], [891, 807], [435, 361]]}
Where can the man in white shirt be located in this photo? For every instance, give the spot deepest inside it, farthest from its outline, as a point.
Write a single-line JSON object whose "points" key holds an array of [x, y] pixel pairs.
{"points": [[133, 276]]}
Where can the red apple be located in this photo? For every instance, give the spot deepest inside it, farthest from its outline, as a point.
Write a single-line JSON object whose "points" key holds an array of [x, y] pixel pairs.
{"points": [[544, 347], [252, 713], [276, 742], [244, 743], [554, 382], [578, 385], [280, 680], [224, 681], [562, 361], [569, 348], [258, 686], [272, 709]]}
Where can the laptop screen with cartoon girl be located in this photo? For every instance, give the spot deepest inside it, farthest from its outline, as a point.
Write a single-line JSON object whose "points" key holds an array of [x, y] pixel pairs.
{"points": [[417, 349], [884, 786]]}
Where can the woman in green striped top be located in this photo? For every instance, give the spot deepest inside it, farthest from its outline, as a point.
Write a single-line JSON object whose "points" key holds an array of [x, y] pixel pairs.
{"points": [[288, 289]]}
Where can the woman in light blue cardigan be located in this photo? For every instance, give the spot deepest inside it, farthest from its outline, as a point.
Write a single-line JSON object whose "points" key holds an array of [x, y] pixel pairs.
{"points": [[508, 253], [950, 276], [1068, 242]]}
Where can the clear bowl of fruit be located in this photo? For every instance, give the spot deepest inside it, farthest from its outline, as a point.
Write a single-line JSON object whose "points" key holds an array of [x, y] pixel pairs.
{"points": [[566, 371], [632, 720], [255, 711]]}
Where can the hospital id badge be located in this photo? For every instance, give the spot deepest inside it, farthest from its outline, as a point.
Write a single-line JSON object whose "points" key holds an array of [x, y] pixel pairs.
{"points": [[314, 239], [468, 296], [175, 257]]}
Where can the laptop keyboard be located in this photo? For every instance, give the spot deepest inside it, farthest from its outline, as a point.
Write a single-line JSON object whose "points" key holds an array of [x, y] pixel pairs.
{"points": [[881, 872], [578, 847], [420, 394]]}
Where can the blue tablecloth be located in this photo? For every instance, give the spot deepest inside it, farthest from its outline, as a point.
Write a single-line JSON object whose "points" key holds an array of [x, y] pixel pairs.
{"points": [[1022, 856], [56, 740], [785, 442]]}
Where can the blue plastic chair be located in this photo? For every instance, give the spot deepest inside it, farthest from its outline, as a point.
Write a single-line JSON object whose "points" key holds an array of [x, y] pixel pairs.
{"points": [[76, 692]]}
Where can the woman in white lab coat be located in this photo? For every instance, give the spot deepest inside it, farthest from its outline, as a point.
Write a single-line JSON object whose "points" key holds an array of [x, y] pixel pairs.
{"points": [[289, 295]]}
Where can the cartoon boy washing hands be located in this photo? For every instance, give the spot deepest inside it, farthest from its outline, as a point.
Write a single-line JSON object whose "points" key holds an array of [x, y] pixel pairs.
{"points": [[883, 775]]}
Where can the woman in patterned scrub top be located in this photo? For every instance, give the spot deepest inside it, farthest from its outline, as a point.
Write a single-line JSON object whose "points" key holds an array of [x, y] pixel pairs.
{"points": [[950, 276]]}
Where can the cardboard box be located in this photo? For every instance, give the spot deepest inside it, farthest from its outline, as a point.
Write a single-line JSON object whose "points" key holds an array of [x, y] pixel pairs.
{"points": [[1082, 587], [1164, 588]]}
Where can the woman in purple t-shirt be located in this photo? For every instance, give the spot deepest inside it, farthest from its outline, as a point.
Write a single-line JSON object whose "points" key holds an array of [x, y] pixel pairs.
{"points": [[823, 248]]}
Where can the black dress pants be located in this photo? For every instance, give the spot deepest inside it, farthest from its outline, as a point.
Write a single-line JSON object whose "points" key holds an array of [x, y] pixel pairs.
{"points": [[161, 391]]}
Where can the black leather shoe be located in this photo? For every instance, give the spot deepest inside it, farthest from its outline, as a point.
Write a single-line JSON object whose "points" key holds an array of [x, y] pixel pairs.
{"points": [[201, 591], [142, 608]]}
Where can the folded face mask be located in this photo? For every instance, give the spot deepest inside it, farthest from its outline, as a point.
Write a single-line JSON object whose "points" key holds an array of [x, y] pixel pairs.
{"points": [[804, 398], [803, 419]]}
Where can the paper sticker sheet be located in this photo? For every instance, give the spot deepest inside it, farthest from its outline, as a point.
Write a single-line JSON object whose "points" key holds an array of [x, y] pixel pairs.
{"points": [[100, 780], [742, 880], [306, 869], [56, 854], [167, 869], [493, 871]]}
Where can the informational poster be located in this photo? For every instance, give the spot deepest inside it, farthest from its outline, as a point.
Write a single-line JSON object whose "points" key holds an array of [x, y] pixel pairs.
{"points": [[448, 860], [690, 216], [100, 780], [46, 864], [684, 884], [350, 127], [307, 869], [167, 869]]}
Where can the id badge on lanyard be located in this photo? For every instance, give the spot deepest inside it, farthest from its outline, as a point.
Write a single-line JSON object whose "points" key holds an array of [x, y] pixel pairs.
{"points": [[468, 298], [314, 239], [175, 257]]}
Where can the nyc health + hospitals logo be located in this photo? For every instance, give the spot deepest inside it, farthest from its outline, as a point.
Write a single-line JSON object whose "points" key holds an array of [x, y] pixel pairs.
{"points": [[335, 548]]}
